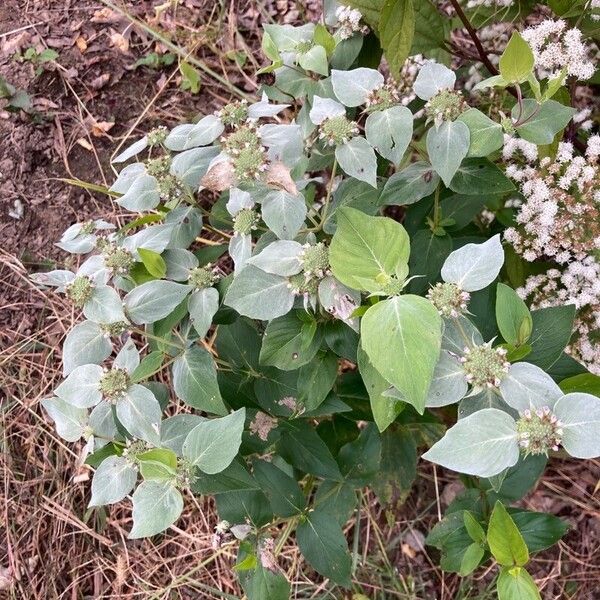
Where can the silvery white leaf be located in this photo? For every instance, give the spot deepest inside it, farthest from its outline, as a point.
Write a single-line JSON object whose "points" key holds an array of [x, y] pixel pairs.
{"points": [[156, 506], [128, 357], [213, 444], [154, 300], [190, 166], [179, 263], [529, 387], [259, 295], [238, 200], [154, 237], [81, 244], [202, 306], [100, 224], [432, 78], [139, 412], [94, 267], [580, 417], [447, 145], [142, 195], [175, 429], [81, 388], [71, 232], [104, 306], [354, 86], [325, 108], [358, 160], [474, 266], [240, 250], [459, 334], [70, 421], [284, 213], [486, 398], [187, 224], [85, 344], [284, 142], [286, 37], [102, 421], [264, 109], [127, 176], [390, 131], [131, 150], [59, 278], [339, 300], [482, 444], [113, 480], [279, 258], [449, 384], [204, 132]]}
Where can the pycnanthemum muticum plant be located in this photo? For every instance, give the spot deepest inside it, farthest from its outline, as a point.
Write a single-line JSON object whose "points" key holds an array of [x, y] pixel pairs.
{"points": [[264, 282]]}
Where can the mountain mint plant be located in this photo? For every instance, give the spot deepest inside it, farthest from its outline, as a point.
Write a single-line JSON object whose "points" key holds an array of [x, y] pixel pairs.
{"points": [[342, 255]]}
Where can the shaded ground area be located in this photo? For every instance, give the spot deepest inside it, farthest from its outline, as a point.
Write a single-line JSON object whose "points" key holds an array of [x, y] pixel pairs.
{"points": [[80, 105]]}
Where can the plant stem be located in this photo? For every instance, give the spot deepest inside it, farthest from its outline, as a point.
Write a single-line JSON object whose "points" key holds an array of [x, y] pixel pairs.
{"points": [[328, 196]]}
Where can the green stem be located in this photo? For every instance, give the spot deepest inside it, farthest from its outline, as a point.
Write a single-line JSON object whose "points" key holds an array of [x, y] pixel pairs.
{"points": [[328, 196]]}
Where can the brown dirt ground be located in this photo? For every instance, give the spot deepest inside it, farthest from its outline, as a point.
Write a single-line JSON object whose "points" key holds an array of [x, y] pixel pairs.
{"points": [[51, 548]]}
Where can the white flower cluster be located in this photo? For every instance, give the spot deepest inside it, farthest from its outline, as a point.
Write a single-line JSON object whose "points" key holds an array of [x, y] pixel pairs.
{"points": [[595, 5], [408, 74], [555, 47], [494, 3], [560, 217], [578, 284], [349, 22]]}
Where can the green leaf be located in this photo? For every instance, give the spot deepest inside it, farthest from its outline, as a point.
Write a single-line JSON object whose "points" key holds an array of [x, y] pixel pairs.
{"points": [[412, 329], [324, 38], [364, 247], [587, 383], [267, 585], [505, 540], [541, 122], [539, 530], [486, 135], [195, 381], [370, 10], [301, 446], [471, 559], [479, 176], [150, 365], [512, 315], [314, 60], [290, 342], [154, 263], [552, 329], [190, 79], [316, 379], [474, 529], [283, 491], [213, 444], [158, 464], [516, 584], [156, 506], [323, 544], [385, 409], [396, 32], [359, 460], [516, 62]]}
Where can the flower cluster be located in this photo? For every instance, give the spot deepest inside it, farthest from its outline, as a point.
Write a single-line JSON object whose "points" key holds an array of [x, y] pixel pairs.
{"points": [[489, 3], [484, 366], [449, 299], [578, 284], [539, 431], [556, 48], [560, 217], [349, 22]]}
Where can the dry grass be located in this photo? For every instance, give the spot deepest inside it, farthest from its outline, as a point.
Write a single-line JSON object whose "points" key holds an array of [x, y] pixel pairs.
{"points": [[53, 548]]}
